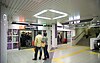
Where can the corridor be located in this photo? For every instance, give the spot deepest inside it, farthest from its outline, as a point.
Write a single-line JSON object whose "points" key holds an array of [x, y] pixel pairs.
{"points": [[63, 54]]}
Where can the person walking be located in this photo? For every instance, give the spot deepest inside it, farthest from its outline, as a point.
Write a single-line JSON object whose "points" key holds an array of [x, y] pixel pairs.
{"points": [[37, 44], [45, 48]]}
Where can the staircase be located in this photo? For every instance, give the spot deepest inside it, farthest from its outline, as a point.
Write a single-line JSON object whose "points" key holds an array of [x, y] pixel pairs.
{"points": [[86, 41]]}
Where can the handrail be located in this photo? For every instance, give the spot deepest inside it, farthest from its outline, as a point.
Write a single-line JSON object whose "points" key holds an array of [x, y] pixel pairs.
{"points": [[78, 35]]}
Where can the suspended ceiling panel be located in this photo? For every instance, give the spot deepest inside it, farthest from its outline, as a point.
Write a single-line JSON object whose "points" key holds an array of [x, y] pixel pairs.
{"points": [[27, 8]]}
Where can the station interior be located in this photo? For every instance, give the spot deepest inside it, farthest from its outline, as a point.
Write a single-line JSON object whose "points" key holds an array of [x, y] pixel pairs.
{"points": [[72, 27]]}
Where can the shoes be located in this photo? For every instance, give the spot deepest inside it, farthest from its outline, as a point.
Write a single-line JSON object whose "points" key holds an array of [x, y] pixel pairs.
{"points": [[44, 59], [39, 58], [34, 59]]}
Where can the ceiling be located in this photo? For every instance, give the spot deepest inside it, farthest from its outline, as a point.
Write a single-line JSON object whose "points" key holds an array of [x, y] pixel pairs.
{"points": [[27, 8]]}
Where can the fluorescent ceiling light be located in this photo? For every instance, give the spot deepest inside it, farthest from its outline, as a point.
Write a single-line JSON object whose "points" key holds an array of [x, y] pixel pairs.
{"points": [[60, 17], [54, 11], [57, 12], [43, 17], [41, 12]]}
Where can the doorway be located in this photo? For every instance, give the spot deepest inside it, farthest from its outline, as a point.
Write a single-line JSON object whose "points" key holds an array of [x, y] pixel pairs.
{"points": [[25, 39]]}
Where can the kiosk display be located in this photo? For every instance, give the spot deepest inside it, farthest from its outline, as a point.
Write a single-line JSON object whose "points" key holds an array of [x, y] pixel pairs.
{"points": [[12, 39]]}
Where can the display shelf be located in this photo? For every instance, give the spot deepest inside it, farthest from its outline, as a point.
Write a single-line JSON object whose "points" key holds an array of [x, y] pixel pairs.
{"points": [[9, 39], [9, 35], [15, 45], [9, 32], [9, 46], [15, 32], [15, 38], [12, 39]]}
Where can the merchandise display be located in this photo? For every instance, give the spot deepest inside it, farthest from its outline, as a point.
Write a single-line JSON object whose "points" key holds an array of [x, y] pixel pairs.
{"points": [[12, 39]]}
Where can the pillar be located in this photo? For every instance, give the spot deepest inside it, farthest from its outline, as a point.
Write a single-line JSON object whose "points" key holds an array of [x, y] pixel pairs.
{"points": [[54, 35], [64, 34], [0, 34], [3, 35], [49, 38]]}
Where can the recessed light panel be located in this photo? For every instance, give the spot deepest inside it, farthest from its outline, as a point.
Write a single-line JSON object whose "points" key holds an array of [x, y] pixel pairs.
{"points": [[54, 11]]}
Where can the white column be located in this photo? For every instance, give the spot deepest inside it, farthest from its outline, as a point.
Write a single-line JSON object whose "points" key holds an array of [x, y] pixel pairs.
{"points": [[3, 37], [33, 35], [71, 43], [49, 38], [64, 34], [54, 35]]}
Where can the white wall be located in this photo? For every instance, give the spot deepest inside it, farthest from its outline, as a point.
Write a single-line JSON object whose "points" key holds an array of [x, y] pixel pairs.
{"points": [[44, 28], [13, 26]]}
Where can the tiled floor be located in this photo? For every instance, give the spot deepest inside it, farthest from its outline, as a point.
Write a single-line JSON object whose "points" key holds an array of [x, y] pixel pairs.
{"points": [[63, 54]]}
